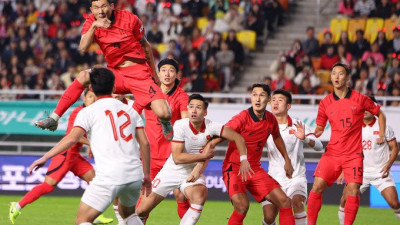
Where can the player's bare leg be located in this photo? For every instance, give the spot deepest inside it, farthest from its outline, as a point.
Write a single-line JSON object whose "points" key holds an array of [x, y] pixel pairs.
{"points": [[69, 97], [86, 214], [270, 212], [391, 197], [161, 109], [197, 195], [182, 202], [128, 213], [352, 203], [240, 203], [300, 215], [147, 204], [116, 211], [315, 200], [280, 200]]}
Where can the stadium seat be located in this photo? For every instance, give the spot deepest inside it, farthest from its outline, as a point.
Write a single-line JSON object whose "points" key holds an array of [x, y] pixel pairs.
{"points": [[324, 76], [320, 36], [224, 35], [388, 26], [354, 25], [161, 48], [284, 4], [202, 22], [371, 30], [247, 38], [337, 26], [316, 63]]}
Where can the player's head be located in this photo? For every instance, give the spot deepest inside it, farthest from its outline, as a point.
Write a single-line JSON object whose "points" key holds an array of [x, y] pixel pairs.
{"points": [[281, 101], [88, 97], [340, 75], [260, 96], [101, 81], [168, 69], [367, 115], [197, 108], [101, 9]]}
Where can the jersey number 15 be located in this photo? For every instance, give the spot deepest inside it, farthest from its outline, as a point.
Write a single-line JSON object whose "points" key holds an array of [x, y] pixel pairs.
{"points": [[122, 127]]}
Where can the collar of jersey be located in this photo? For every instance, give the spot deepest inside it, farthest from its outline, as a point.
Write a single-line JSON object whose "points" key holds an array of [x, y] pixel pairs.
{"points": [[104, 96], [171, 92], [254, 117], [347, 95], [202, 129], [370, 124]]}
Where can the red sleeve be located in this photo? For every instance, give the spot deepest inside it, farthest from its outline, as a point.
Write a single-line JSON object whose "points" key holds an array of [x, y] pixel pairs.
{"points": [[370, 105], [138, 29], [71, 119], [321, 117], [88, 23], [236, 123], [183, 101]]}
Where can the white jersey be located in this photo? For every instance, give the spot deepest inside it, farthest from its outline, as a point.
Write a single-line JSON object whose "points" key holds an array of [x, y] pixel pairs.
{"points": [[111, 127], [375, 156], [294, 148], [194, 141]]}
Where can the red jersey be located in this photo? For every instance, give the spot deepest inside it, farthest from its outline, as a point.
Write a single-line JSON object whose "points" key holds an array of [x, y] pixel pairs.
{"points": [[76, 148], [255, 133], [346, 119], [160, 147], [121, 40]]}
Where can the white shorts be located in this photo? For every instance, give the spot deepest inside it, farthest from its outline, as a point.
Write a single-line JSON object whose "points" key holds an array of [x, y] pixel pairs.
{"points": [[100, 197], [377, 181], [296, 186], [167, 180]]}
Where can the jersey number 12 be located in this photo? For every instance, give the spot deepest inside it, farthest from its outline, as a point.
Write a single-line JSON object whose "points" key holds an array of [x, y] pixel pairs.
{"points": [[122, 127]]}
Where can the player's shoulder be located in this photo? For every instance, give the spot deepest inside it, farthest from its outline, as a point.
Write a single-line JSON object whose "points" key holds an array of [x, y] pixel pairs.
{"points": [[124, 14], [179, 91], [89, 17], [182, 122], [269, 115], [77, 109]]}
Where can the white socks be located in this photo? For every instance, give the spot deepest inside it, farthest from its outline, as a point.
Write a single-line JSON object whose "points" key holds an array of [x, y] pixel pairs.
{"points": [[265, 223], [85, 223], [341, 215], [397, 213], [119, 218], [55, 116], [18, 207], [300, 218], [192, 215], [133, 220]]}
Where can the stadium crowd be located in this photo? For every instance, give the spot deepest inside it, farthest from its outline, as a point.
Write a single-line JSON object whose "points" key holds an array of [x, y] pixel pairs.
{"points": [[374, 62], [39, 40]]}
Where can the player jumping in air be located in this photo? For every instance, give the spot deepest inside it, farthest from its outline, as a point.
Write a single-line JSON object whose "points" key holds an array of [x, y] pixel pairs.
{"points": [[377, 163], [344, 109], [120, 35]]}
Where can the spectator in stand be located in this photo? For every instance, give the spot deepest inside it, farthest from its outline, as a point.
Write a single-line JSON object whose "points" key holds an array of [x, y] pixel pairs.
{"points": [[254, 20], [394, 65], [172, 50], [326, 41], [225, 59], [273, 15], [68, 77], [212, 78], [56, 26], [23, 51], [304, 62], [155, 35], [306, 88], [267, 80], [218, 8], [397, 9], [311, 45], [307, 73], [344, 40], [173, 31], [234, 18], [215, 45], [187, 21], [197, 38], [208, 31], [381, 81], [329, 58], [395, 84], [364, 8], [295, 54], [346, 7], [372, 67], [197, 82], [395, 43], [383, 9], [395, 93], [345, 57], [382, 42], [375, 54], [236, 47], [360, 45], [280, 62], [361, 83], [281, 82]]}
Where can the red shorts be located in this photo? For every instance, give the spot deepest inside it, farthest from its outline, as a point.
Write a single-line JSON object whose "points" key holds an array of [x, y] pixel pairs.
{"points": [[137, 79], [330, 167], [61, 164], [259, 185], [155, 166]]}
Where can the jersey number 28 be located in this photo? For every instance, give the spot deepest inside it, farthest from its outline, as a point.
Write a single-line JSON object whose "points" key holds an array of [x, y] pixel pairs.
{"points": [[122, 127]]}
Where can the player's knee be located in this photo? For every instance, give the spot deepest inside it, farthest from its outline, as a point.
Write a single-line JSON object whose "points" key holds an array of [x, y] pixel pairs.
{"points": [[394, 204], [298, 205], [241, 208], [84, 78], [285, 202], [269, 219], [141, 213]]}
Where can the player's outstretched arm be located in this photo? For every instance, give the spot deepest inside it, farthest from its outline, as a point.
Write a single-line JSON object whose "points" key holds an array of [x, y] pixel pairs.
{"points": [[150, 58], [145, 153], [395, 151], [72, 138], [87, 38], [382, 127], [181, 157], [300, 133], [280, 145], [318, 131]]}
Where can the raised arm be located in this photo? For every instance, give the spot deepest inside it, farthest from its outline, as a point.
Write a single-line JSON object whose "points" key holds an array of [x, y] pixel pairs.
{"points": [[87, 38]]}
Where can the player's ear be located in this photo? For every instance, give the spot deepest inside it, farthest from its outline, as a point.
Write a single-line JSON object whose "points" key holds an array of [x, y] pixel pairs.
{"points": [[289, 106], [90, 88]]}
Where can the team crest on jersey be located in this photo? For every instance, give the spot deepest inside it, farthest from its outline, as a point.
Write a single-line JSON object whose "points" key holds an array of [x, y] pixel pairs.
{"points": [[208, 137], [291, 131], [353, 108], [376, 132], [141, 29]]}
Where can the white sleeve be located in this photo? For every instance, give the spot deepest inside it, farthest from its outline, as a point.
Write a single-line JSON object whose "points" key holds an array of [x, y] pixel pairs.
{"points": [[217, 129], [318, 144], [389, 134], [179, 134], [82, 121], [138, 120]]}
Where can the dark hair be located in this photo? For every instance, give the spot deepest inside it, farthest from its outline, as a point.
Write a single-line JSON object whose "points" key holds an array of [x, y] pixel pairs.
{"points": [[109, 1], [346, 68], [85, 92], [168, 61], [102, 81], [372, 98], [284, 93], [263, 86], [198, 97], [310, 28]]}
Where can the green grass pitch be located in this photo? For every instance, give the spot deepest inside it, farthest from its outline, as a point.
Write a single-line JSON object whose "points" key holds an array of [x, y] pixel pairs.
{"points": [[62, 211]]}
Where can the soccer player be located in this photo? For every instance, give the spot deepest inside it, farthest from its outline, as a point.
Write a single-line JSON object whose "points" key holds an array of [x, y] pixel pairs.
{"points": [[160, 147], [60, 165], [112, 126], [377, 163], [120, 35], [344, 108], [293, 133], [188, 148], [255, 124]]}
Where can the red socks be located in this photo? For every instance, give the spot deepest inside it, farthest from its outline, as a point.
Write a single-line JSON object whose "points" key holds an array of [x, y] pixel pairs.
{"points": [[236, 218], [313, 207], [35, 193], [286, 216], [69, 97], [182, 208], [350, 209]]}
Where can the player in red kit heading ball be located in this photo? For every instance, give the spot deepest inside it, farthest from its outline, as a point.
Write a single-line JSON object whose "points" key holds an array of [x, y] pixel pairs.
{"points": [[121, 37]]}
